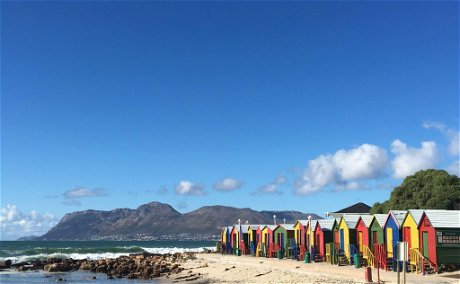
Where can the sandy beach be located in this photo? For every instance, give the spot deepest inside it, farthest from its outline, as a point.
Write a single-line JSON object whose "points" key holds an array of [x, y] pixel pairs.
{"points": [[216, 268]]}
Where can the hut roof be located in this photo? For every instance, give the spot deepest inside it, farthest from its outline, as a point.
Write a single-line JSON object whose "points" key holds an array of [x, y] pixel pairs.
{"points": [[313, 223], [444, 218], [381, 218], [244, 229], [326, 224], [351, 220], [302, 222], [398, 216], [416, 214], [271, 227], [287, 226], [367, 219]]}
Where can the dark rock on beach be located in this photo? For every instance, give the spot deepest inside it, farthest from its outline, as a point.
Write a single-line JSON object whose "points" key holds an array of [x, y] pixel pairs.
{"points": [[137, 266]]}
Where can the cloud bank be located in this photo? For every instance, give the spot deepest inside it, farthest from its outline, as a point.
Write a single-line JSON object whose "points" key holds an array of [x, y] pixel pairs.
{"points": [[72, 197], [273, 187], [409, 160], [14, 223], [344, 169]]}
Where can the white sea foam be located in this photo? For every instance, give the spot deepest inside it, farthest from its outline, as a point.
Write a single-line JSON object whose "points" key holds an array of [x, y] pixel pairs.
{"points": [[176, 249], [101, 255]]}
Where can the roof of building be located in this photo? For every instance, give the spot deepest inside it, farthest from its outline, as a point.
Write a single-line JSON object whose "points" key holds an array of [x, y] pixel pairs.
{"points": [[326, 224], [351, 220], [367, 219], [398, 216], [416, 214], [443, 218], [287, 226], [356, 208], [381, 219], [313, 223], [302, 222]]}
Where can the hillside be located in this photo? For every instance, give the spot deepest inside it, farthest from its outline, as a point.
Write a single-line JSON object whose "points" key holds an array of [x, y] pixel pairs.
{"points": [[159, 221]]}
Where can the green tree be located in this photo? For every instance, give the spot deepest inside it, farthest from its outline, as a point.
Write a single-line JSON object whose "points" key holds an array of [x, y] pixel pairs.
{"points": [[427, 189]]}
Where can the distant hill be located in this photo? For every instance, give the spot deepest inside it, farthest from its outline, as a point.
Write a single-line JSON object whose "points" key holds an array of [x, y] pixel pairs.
{"points": [[27, 238], [160, 221]]}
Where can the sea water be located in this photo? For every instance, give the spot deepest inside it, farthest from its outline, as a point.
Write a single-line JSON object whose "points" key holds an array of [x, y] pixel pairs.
{"points": [[21, 251]]}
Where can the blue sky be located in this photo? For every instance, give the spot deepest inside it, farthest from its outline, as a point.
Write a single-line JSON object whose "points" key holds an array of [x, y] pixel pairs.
{"points": [[308, 106]]}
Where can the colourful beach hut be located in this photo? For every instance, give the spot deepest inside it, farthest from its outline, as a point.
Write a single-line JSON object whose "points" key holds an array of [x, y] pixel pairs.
{"points": [[392, 231], [261, 249], [310, 235], [284, 236], [299, 232], [253, 238], [324, 233], [410, 234], [226, 239], [347, 237], [234, 238], [376, 235], [439, 234], [362, 232], [268, 240]]}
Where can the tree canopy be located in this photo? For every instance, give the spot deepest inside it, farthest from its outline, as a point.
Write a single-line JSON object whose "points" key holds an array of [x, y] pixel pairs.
{"points": [[427, 189]]}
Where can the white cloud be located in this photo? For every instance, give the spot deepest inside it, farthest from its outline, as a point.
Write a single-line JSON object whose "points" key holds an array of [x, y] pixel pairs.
{"points": [[409, 160], [272, 187], [451, 135], [228, 184], [73, 196], [343, 169], [186, 187], [14, 223]]}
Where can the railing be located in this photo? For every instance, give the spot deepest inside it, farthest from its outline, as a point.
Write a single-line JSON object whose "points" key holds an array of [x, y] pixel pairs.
{"points": [[292, 249], [380, 256], [420, 260], [369, 256], [331, 253], [416, 258]]}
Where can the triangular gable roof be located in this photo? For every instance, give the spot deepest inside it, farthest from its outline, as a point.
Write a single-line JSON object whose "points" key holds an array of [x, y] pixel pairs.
{"points": [[254, 226], [397, 215], [302, 222], [244, 229], [351, 220], [367, 219], [313, 224], [416, 215], [381, 219], [287, 227], [444, 218], [326, 224], [271, 227]]}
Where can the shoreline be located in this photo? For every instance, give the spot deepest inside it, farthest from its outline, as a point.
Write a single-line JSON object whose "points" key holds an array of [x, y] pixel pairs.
{"points": [[201, 268]]}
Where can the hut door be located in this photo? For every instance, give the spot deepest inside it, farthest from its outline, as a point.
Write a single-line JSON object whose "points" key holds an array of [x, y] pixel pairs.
{"points": [[360, 241], [374, 237], [390, 242], [406, 236], [341, 239], [425, 244]]}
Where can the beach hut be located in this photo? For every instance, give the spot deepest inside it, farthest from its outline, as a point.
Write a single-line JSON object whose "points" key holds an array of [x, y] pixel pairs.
{"points": [[226, 240], [392, 231], [347, 238], [376, 235], [410, 234], [260, 250], [362, 232], [268, 240], [439, 235], [363, 243], [323, 234], [310, 235], [253, 238], [300, 228], [284, 236], [234, 238]]}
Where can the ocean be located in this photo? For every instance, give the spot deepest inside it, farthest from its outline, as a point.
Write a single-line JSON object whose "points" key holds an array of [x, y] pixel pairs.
{"points": [[22, 251]]}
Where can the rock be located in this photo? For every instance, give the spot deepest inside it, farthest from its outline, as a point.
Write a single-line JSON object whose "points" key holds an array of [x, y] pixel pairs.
{"points": [[56, 267], [5, 264]]}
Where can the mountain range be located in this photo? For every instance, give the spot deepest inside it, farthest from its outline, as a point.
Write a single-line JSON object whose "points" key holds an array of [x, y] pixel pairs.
{"points": [[155, 220]]}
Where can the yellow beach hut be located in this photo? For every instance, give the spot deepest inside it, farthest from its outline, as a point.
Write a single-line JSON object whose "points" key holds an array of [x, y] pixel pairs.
{"points": [[347, 235], [410, 234]]}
